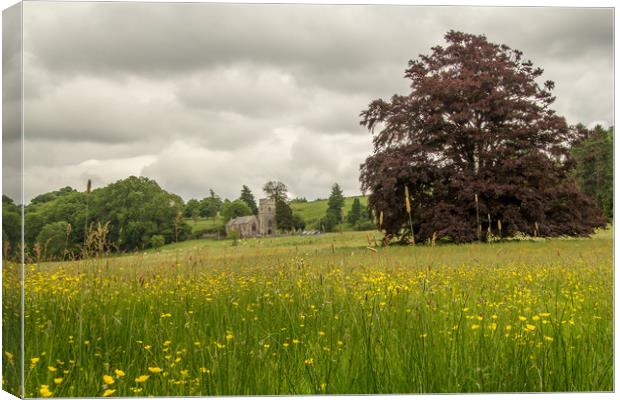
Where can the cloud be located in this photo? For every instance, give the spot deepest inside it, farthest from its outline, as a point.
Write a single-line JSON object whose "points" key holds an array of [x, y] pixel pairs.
{"points": [[100, 172], [202, 96], [308, 169], [244, 89]]}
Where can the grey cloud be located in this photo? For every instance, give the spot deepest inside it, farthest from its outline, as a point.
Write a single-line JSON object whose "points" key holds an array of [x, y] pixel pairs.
{"points": [[218, 95], [100, 172], [68, 153], [164, 38], [246, 89]]}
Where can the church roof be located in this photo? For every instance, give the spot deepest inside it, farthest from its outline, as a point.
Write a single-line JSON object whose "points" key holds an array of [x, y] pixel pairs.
{"points": [[242, 220]]}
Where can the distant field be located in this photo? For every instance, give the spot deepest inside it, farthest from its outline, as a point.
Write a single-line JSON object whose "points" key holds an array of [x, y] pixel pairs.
{"points": [[200, 224], [320, 314], [311, 212]]}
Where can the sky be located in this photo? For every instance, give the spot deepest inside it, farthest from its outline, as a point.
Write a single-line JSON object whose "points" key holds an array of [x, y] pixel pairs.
{"points": [[200, 96]]}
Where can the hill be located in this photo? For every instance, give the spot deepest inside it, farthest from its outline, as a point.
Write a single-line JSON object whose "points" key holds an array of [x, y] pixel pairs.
{"points": [[313, 211]]}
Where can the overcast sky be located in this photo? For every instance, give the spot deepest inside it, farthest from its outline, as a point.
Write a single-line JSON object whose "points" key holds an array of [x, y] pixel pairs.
{"points": [[200, 96]]}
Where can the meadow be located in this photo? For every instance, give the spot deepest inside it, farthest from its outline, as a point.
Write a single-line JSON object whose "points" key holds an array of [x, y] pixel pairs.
{"points": [[321, 314]]}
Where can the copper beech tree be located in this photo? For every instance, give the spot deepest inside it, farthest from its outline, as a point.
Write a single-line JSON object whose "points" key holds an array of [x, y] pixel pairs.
{"points": [[478, 147]]}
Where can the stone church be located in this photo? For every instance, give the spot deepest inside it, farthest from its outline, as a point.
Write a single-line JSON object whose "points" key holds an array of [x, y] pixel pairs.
{"points": [[263, 224]]}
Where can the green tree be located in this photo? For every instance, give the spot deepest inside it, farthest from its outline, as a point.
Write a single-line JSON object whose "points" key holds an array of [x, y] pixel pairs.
{"points": [[594, 166], [138, 208], [276, 190], [329, 222], [355, 214], [234, 209], [298, 222], [335, 203], [192, 209], [49, 196], [284, 216], [54, 239], [70, 207], [211, 206], [11, 223], [248, 198]]}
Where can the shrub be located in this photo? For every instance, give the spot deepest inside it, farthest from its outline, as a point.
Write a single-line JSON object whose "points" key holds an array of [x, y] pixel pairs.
{"points": [[234, 235], [157, 241]]}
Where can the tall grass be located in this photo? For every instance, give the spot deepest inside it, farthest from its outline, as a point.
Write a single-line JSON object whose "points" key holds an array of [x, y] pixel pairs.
{"points": [[323, 315]]}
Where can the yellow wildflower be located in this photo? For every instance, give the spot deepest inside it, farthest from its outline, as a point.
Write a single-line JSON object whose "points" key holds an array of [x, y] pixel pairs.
{"points": [[530, 327], [309, 361], [155, 370], [45, 391], [108, 392], [58, 381], [119, 373], [142, 378], [108, 380], [544, 314], [51, 369]]}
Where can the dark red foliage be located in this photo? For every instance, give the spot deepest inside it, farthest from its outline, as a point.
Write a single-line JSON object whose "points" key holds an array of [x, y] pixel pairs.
{"points": [[475, 123]]}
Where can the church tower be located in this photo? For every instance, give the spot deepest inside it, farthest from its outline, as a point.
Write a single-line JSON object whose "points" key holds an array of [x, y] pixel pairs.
{"points": [[267, 216]]}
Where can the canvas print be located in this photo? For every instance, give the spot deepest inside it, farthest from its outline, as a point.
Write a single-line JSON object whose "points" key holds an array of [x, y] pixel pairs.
{"points": [[206, 199]]}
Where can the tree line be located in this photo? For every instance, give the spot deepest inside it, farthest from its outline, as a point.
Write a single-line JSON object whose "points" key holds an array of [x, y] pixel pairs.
{"points": [[134, 213], [131, 214]]}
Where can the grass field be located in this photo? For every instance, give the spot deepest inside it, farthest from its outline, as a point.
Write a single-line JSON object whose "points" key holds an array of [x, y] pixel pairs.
{"points": [[321, 314], [201, 224], [313, 211]]}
